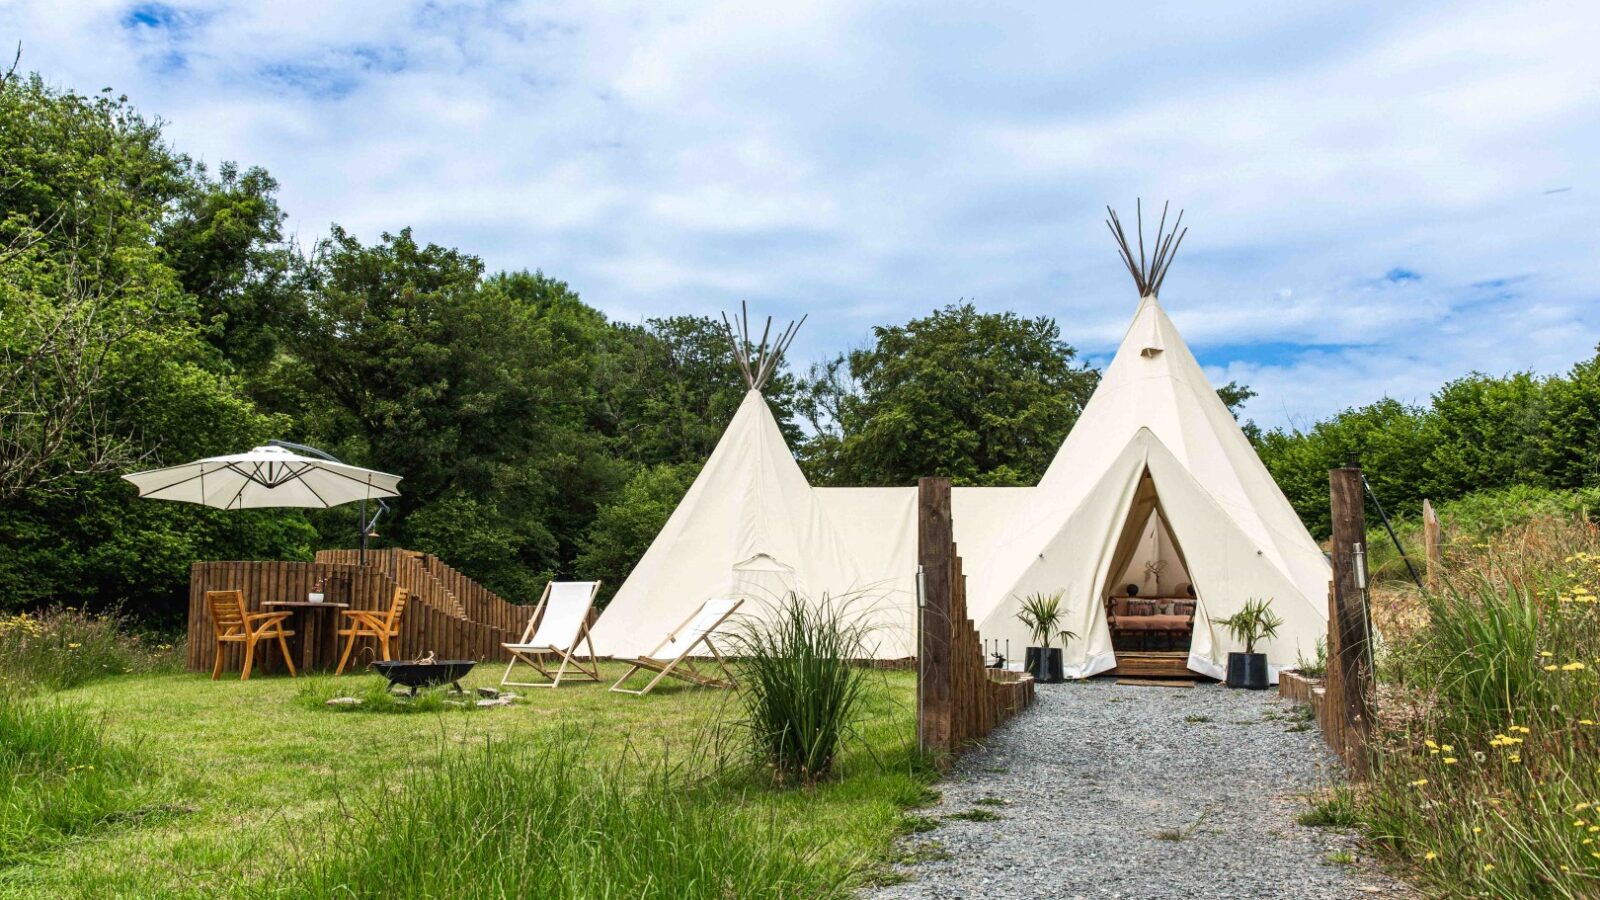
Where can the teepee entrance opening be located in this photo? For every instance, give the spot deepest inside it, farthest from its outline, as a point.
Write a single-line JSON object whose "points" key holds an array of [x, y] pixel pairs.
{"points": [[1149, 597]]}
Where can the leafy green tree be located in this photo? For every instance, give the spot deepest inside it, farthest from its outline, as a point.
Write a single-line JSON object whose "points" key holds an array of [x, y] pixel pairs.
{"points": [[672, 385], [624, 527], [1483, 434], [1389, 438], [985, 398], [225, 242], [115, 366], [1569, 432], [479, 392]]}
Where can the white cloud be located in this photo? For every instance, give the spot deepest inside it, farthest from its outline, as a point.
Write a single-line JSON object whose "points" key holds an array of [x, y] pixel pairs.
{"points": [[865, 162]]}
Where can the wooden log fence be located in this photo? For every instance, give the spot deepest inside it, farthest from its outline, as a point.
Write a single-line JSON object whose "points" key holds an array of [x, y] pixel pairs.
{"points": [[430, 578], [959, 700], [432, 622]]}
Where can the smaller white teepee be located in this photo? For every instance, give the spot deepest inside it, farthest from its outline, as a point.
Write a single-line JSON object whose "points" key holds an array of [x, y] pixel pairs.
{"points": [[749, 526]]}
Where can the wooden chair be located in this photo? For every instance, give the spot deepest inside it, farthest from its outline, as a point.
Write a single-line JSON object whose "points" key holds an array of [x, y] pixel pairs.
{"points": [[231, 624], [680, 642], [381, 627], [562, 617]]}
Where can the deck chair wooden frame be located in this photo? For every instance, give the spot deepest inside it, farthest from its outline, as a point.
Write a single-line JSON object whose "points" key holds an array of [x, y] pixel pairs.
{"points": [[556, 633], [382, 626], [232, 624], [696, 630]]}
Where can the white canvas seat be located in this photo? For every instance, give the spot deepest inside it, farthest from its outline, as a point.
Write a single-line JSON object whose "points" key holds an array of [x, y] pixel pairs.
{"points": [[562, 619], [671, 656]]}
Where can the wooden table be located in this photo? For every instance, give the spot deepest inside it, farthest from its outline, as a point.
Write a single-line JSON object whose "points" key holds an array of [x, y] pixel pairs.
{"points": [[317, 648]]}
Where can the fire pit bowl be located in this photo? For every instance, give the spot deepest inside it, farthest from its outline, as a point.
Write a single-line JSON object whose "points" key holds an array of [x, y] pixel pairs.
{"points": [[413, 674]]}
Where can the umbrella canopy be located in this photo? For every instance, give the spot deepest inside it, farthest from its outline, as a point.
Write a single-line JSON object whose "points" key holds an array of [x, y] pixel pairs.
{"points": [[265, 477]]}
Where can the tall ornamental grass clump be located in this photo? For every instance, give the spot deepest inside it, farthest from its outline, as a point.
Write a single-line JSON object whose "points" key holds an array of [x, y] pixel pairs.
{"points": [[1487, 766], [800, 685], [60, 778], [547, 821], [63, 647]]}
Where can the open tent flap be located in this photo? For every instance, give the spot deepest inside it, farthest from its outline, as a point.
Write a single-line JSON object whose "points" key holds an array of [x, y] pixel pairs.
{"points": [[1077, 561], [1146, 555]]}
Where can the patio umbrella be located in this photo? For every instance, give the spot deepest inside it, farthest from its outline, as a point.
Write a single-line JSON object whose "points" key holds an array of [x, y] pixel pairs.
{"points": [[265, 477]]}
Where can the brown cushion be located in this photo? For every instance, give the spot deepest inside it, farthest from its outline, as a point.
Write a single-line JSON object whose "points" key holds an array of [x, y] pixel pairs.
{"points": [[1119, 606], [1153, 623], [1183, 608], [1141, 607]]}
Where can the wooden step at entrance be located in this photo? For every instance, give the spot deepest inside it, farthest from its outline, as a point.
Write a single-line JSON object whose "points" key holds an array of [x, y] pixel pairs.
{"points": [[1153, 664]]}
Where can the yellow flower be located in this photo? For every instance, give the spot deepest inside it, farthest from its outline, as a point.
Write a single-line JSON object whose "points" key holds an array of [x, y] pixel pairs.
{"points": [[1585, 721], [73, 646], [1488, 867], [1546, 653], [1430, 745], [1419, 782], [1447, 748], [1430, 855], [1515, 757], [1551, 668], [1580, 807], [1449, 760], [1477, 830], [1572, 667]]}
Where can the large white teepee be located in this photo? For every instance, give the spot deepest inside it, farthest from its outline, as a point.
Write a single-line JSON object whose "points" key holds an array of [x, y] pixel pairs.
{"points": [[1236, 537]]}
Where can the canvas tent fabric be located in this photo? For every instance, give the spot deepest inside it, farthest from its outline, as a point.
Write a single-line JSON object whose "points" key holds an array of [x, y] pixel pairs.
{"points": [[1155, 469], [1155, 411], [749, 526]]}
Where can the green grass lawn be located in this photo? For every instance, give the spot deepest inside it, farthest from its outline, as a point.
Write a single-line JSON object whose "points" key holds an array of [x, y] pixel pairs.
{"points": [[250, 778]]}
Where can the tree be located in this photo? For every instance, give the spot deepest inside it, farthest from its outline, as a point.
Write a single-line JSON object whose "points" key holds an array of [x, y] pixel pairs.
{"points": [[225, 242], [105, 364], [1483, 433], [1390, 439], [984, 398], [1568, 438], [1234, 396], [671, 386], [624, 527]]}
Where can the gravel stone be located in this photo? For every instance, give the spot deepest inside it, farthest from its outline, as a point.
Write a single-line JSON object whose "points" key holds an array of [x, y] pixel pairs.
{"points": [[1108, 791]]}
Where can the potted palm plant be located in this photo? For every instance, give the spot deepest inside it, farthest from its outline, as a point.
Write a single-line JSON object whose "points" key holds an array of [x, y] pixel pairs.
{"points": [[1041, 614], [1249, 626]]}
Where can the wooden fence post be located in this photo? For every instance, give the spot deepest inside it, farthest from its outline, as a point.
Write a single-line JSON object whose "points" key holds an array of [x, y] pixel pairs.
{"points": [[935, 540], [1432, 532], [1348, 647]]}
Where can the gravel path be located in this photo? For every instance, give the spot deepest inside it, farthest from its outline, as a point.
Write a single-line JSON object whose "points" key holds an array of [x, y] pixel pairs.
{"points": [[1137, 792]]}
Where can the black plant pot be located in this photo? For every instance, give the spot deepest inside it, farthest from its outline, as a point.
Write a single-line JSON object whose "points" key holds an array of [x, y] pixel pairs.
{"points": [[1044, 667], [1247, 670]]}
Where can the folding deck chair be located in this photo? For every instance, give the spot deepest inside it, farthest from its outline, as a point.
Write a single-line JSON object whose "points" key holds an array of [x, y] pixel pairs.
{"points": [[565, 606], [695, 630]]}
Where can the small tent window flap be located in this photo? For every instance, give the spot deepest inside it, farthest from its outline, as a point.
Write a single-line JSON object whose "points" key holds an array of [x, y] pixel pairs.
{"points": [[762, 562]]}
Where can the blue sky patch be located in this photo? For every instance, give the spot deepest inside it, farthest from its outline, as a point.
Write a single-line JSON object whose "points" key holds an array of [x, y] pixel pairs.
{"points": [[152, 15]]}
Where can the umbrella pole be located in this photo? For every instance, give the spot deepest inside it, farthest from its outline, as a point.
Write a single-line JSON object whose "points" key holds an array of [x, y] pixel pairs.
{"points": [[363, 526]]}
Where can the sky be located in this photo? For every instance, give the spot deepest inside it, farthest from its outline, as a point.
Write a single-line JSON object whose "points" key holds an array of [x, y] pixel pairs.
{"points": [[1382, 195]]}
